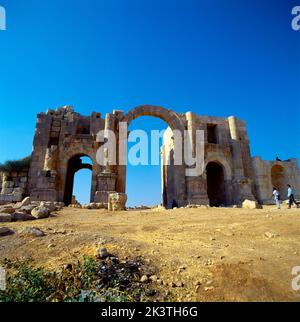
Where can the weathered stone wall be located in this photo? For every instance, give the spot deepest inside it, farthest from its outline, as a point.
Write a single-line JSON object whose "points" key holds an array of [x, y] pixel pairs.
{"points": [[13, 186], [61, 135], [229, 149], [269, 174]]}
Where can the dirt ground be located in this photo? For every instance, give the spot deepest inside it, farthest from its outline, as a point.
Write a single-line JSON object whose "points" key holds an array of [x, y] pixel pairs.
{"points": [[214, 254]]}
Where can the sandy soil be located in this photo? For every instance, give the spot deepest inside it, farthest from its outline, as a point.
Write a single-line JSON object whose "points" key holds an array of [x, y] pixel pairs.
{"points": [[215, 254]]}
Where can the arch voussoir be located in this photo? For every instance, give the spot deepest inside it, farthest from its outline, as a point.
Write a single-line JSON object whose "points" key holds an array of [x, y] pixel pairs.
{"points": [[170, 117]]}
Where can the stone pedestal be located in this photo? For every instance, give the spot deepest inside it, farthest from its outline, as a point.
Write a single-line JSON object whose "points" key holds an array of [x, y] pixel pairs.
{"points": [[106, 185], [102, 196], [106, 181]]}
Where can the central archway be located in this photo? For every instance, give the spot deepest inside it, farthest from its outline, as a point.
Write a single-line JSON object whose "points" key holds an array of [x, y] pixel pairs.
{"points": [[169, 116], [174, 121]]}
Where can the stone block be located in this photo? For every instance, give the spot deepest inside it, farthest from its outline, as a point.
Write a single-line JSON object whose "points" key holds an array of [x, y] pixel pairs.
{"points": [[21, 216], [102, 196], [7, 191], [40, 212], [17, 197], [7, 184], [117, 201], [251, 204]]}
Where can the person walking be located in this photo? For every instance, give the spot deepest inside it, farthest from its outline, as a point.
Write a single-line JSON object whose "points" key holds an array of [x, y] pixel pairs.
{"points": [[291, 197], [276, 196]]}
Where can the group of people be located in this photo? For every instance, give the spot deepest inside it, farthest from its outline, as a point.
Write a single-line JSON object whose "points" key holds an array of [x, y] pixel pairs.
{"points": [[290, 195]]}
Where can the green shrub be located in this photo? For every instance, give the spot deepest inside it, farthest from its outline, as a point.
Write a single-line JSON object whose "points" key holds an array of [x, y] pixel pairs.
{"points": [[82, 282], [28, 284], [15, 165]]}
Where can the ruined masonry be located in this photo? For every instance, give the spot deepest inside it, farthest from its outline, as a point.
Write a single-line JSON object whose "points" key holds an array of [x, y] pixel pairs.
{"points": [[63, 137]]}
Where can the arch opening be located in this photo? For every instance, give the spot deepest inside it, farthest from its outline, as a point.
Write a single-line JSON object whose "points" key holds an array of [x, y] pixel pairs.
{"points": [[215, 184], [171, 188], [145, 177], [74, 167], [278, 178]]}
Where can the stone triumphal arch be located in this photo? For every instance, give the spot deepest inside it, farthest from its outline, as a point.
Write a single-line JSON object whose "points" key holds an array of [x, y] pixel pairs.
{"points": [[230, 175]]}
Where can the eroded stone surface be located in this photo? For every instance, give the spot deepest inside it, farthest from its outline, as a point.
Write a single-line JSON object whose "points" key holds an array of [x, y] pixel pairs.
{"points": [[117, 201], [40, 212]]}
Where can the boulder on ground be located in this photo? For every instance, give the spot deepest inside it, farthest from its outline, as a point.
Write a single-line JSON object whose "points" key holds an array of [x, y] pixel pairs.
{"points": [[40, 212], [251, 204], [27, 209], [5, 217], [59, 204], [33, 231], [5, 231], [192, 205], [144, 279], [21, 216], [271, 234], [75, 206], [49, 205], [92, 205], [101, 253]]}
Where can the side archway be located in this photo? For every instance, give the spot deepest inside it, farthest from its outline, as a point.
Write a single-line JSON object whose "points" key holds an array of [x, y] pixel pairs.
{"points": [[216, 189], [74, 165], [219, 181], [278, 178]]}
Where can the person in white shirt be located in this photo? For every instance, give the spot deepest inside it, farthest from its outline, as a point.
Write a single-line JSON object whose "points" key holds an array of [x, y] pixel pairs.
{"points": [[276, 196]]}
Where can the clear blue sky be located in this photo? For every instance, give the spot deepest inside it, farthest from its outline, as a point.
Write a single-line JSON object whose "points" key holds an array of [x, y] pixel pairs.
{"points": [[215, 57]]}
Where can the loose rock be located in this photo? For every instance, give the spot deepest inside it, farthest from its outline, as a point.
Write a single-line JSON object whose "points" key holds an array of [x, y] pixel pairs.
{"points": [[208, 288], [144, 279], [271, 235], [251, 204], [40, 212], [153, 278], [21, 216], [33, 231], [101, 253], [5, 231], [5, 217]]}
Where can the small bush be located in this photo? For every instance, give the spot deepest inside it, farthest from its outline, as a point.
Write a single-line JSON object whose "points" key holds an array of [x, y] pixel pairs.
{"points": [[15, 165], [27, 284]]}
